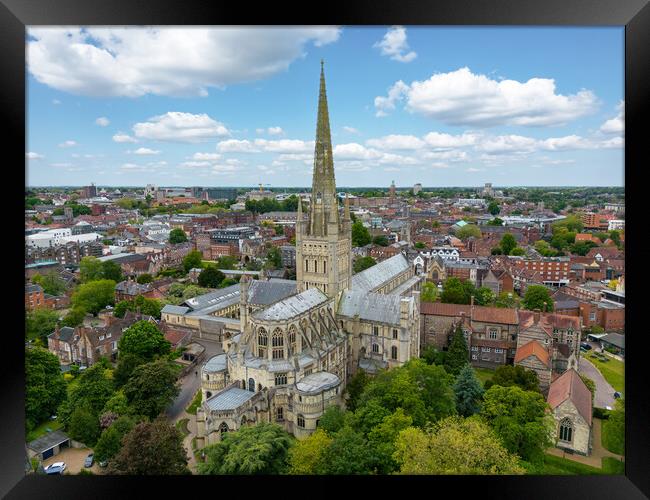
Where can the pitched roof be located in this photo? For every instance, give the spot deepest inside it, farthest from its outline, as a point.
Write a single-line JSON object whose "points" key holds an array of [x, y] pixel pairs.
{"points": [[532, 348], [440, 309], [570, 386], [370, 306], [495, 315], [375, 276], [292, 306]]}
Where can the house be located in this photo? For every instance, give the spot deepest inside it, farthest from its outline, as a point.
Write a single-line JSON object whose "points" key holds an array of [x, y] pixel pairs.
{"points": [[48, 445], [570, 401]]}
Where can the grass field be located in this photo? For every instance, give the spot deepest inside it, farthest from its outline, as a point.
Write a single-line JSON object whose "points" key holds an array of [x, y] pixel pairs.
{"points": [[613, 466], [613, 371], [191, 409], [483, 374], [561, 466], [41, 430], [606, 440]]}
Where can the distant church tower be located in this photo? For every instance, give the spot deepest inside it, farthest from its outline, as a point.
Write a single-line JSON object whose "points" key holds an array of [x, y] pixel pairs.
{"points": [[324, 242]]}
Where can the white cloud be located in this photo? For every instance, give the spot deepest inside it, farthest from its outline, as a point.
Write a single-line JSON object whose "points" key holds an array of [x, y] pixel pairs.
{"points": [[67, 144], [34, 156], [146, 151], [284, 145], [223, 169], [131, 62], [175, 126], [396, 142], [122, 137], [463, 98], [236, 146], [351, 130], [615, 125], [296, 157], [275, 131], [102, 121], [394, 44], [206, 156], [195, 164], [472, 169], [60, 165], [444, 141], [354, 151]]}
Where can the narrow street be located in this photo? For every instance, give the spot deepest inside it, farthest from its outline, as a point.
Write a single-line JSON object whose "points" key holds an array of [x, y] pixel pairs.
{"points": [[604, 392]]}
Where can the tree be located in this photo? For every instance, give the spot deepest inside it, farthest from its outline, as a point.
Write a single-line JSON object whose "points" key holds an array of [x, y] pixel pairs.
{"points": [[348, 453], [192, 291], [256, 449], [151, 448], [496, 251], [571, 223], [332, 420], [495, 222], [537, 297], [112, 271], [381, 240], [505, 299], [433, 356], [355, 387], [91, 392], [144, 278], [363, 263], [274, 257], [483, 296], [508, 243], [210, 277], [453, 292], [467, 231], [520, 419], [126, 364], [75, 317], [177, 235], [509, 375], [591, 385], [518, 251], [582, 247], [117, 404], [94, 296], [226, 262], [51, 283], [429, 292], [360, 234], [457, 354], [454, 446], [493, 208], [45, 388], [150, 307], [381, 440], [469, 392], [110, 441], [419, 245], [145, 340], [306, 455], [39, 323], [90, 269], [192, 260], [84, 426], [152, 387]]}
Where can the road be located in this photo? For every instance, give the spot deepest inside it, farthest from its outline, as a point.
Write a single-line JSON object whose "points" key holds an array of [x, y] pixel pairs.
{"points": [[604, 392], [191, 383]]}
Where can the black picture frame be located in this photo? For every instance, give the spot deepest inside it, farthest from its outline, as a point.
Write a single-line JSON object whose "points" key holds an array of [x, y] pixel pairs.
{"points": [[16, 14]]}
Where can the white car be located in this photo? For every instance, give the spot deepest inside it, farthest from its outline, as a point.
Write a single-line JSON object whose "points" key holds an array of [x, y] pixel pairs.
{"points": [[55, 468]]}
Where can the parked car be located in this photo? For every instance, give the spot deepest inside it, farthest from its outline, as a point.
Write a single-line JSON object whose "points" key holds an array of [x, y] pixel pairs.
{"points": [[585, 346], [617, 395], [89, 460], [55, 468]]}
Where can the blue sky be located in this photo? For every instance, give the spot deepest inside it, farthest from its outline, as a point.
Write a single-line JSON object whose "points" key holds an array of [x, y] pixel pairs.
{"points": [[443, 106]]}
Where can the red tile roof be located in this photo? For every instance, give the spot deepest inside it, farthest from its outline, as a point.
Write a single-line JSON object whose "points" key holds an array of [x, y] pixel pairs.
{"points": [[570, 386], [495, 315], [440, 309], [532, 348]]}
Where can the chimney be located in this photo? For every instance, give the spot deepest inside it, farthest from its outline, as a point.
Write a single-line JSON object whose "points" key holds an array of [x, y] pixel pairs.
{"points": [[536, 315]]}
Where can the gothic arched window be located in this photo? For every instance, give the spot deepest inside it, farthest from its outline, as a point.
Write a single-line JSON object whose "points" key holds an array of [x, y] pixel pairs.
{"points": [[301, 421], [251, 385], [262, 342], [223, 428], [375, 347], [393, 352], [292, 339], [277, 341], [566, 430]]}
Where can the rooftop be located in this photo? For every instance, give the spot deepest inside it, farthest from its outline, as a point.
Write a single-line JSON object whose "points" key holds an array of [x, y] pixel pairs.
{"points": [[317, 382], [375, 276], [229, 399], [292, 306], [216, 363]]}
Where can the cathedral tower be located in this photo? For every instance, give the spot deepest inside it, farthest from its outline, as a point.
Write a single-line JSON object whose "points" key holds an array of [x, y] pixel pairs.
{"points": [[324, 241]]}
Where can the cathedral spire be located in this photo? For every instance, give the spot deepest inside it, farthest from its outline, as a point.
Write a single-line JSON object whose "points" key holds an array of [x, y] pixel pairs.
{"points": [[323, 193]]}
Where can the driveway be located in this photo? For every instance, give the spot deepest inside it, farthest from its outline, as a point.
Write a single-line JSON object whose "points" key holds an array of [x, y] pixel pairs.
{"points": [[190, 383], [74, 460], [604, 392]]}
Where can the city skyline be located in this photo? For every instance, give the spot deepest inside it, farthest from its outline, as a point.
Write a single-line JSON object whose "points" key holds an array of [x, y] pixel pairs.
{"points": [[401, 109]]}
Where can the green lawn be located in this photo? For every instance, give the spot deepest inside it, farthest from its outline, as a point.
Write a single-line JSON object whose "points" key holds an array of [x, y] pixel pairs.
{"points": [[607, 441], [561, 466], [181, 425], [41, 430], [613, 466], [483, 374], [613, 371], [191, 409]]}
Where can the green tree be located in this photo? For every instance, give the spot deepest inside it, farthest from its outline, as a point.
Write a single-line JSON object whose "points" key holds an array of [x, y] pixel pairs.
{"points": [[494, 208], [110, 441], [348, 453], [382, 241], [360, 234], [433, 356], [226, 262], [509, 375], [483, 296], [39, 323], [211, 277], [467, 231], [363, 263], [518, 251], [508, 243], [145, 340], [274, 257], [256, 449], [496, 251], [192, 291], [75, 317], [457, 354], [571, 223], [306, 455], [332, 420], [537, 297], [429, 292], [45, 388], [591, 385], [381, 440], [90, 269], [469, 392], [505, 299], [355, 387], [51, 283], [91, 392], [520, 419], [112, 271], [495, 222], [84, 426], [94, 296], [194, 259], [454, 446], [177, 236], [453, 292], [117, 404], [152, 387], [151, 448], [126, 364], [144, 279]]}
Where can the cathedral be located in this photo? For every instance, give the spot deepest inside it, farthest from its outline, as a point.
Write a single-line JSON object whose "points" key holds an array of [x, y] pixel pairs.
{"points": [[296, 344]]}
